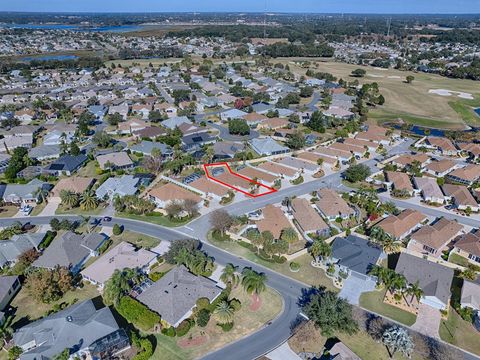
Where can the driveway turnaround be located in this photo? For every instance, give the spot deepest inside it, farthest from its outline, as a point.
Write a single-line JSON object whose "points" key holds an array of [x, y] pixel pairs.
{"points": [[354, 286]]}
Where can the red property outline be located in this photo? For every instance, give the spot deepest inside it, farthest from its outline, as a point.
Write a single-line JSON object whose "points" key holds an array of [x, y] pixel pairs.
{"points": [[270, 189]]}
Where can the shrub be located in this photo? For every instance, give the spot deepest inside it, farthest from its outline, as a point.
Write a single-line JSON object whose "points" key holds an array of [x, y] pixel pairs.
{"points": [[117, 229], [184, 327], [169, 332], [202, 303], [203, 317], [155, 276], [50, 235], [294, 266], [137, 313], [144, 346], [226, 327]]}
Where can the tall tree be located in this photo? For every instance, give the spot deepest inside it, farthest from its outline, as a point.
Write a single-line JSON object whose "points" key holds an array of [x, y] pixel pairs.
{"points": [[224, 312], [229, 275], [221, 220], [253, 282], [396, 338]]}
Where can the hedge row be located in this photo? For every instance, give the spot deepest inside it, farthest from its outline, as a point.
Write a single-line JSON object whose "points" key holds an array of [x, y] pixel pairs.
{"points": [[137, 313]]}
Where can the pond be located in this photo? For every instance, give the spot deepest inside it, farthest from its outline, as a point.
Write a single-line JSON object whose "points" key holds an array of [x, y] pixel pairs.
{"points": [[477, 111], [48, 58]]}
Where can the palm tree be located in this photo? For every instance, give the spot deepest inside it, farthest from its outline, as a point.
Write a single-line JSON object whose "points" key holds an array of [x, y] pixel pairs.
{"points": [[88, 201], [396, 282], [120, 284], [415, 291], [390, 246], [224, 312], [69, 198], [320, 250], [253, 282], [229, 275], [378, 234], [380, 272]]}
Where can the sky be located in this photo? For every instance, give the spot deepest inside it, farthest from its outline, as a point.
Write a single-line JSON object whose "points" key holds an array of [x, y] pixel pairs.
{"points": [[302, 6]]}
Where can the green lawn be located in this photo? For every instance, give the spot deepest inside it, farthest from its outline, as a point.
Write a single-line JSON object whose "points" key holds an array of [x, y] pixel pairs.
{"points": [[373, 301], [459, 332], [457, 259], [38, 209], [139, 240], [307, 274], [154, 219], [88, 170], [8, 211], [77, 211], [167, 349]]}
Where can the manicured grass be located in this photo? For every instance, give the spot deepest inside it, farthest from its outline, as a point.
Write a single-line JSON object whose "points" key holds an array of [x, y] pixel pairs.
{"points": [[8, 211], [167, 349], [307, 273], [158, 220], [459, 332], [457, 259], [28, 309], [38, 209], [88, 170], [139, 240], [77, 211], [373, 301]]}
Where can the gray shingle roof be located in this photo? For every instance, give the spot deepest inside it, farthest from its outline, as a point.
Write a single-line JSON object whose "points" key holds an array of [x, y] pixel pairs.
{"points": [[69, 250], [434, 279], [18, 244], [177, 292], [75, 328], [125, 185], [355, 253]]}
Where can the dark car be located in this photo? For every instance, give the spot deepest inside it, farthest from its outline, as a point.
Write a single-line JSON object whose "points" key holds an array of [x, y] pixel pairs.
{"points": [[107, 218]]}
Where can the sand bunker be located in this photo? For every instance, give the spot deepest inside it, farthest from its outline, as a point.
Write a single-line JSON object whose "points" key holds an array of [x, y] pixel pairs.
{"points": [[443, 92], [375, 75], [394, 77]]}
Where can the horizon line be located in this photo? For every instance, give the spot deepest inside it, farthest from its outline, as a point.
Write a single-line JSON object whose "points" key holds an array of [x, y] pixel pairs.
{"points": [[236, 12]]}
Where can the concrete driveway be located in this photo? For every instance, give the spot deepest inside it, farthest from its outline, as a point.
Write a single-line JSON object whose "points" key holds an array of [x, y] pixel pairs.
{"points": [[50, 208], [283, 352], [428, 321], [354, 286]]}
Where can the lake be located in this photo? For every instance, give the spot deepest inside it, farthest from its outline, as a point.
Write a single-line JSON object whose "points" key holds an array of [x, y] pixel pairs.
{"points": [[477, 111], [48, 57], [116, 28]]}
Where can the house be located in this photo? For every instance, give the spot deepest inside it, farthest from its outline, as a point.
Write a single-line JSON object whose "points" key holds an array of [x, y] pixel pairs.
{"points": [[66, 165], [175, 295], [122, 256], [433, 239], [470, 296], [472, 149], [232, 114], [274, 220], [115, 160], [303, 166], [175, 121], [273, 123], [227, 149], [23, 194], [209, 188], [442, 145], [196, 141], [468, 246], [339, 113], [258, 175], [267, 147], [431, 192], [332, 206], [164, 194], [70, 250], [150, 132], [407, 160], [147, 147], [434, 279], [355, 254], [118, 186], [307, 218], [130, 126], [275, 168], [121, 109], [9, 286], [399, 181], [440, 168], [45, 152], [75, 184], [12, 248], [466, 175], [80, 328], [402, 225], [461, 197], [9, 143]]}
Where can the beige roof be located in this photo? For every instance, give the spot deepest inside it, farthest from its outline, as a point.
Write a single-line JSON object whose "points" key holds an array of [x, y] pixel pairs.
{"points": [[401, 224], [331, 203], [442, 143], [277, 169], [124, 255], [274, 123], [254, 117], [313, 157], [469, 243], [470, 294], [372, 135], [117, 158], [75, 184], [253, 173], [438, 235], [470, 147], [306, 216], [348, 148], [470, 172], [132, 125], [429, 187], [209, 186], [400, 181], [461, 194], [361, 143], [274, 220], [234, 180], [441, 165], [333, 153], [409, 159], [170, 192]]}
